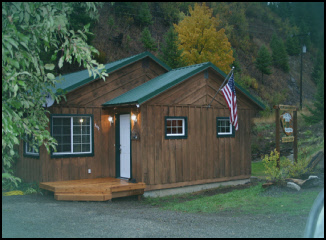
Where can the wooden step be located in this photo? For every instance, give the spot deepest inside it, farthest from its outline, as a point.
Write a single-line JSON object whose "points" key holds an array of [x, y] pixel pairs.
{"points": [[123, 188], [82, 197], [99, 189]]}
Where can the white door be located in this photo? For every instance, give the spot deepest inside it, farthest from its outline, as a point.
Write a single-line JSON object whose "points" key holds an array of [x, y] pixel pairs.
{"points": [[125, 146]]}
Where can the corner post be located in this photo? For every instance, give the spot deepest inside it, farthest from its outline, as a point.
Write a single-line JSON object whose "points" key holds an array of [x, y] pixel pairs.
{"points": [[277, 135], [295, 134]]}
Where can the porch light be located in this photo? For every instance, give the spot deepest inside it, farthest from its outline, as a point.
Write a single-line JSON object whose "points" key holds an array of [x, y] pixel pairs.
{"points": [[110, 120], [81, 120], [134, 117]]}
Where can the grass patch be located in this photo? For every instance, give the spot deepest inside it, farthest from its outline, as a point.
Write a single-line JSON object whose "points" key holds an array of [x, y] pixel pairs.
{"points": [[257, 169], [253, 200]]}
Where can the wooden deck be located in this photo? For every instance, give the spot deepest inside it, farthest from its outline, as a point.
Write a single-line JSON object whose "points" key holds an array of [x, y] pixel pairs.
{"points": [[98, 189]]}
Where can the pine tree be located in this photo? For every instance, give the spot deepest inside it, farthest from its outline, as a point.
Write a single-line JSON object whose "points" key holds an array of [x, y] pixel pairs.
{"points": [[148, 41], [279, 54], [264, 61], [144, 16], [319, 103], [171, 55]]}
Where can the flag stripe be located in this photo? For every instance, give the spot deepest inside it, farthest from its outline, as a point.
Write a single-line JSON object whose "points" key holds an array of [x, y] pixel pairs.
{"points": [[230, 97]]}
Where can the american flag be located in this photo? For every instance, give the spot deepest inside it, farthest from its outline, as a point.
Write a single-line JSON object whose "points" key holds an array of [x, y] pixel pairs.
{"points": [[229, 94]]}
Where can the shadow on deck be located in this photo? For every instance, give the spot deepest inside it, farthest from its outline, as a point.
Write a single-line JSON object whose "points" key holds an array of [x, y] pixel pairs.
{"points": [[98, 189]]}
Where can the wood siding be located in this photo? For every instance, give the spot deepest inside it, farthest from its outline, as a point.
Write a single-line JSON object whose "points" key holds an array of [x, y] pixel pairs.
{"points": [[88, 100], [202, 157]]}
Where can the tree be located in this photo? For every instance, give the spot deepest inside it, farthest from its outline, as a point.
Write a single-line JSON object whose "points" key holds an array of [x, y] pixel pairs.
{"points": [[144, 16], [292, 46], [319, 103], [200, 40], [171, 55], [263, 62], [279, 54], [148, 41], [29, 29]]}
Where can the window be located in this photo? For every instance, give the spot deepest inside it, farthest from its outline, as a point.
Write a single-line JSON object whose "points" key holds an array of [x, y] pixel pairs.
{"points": [[175, 127], [29, 150], [224, 127], [74, 135]]}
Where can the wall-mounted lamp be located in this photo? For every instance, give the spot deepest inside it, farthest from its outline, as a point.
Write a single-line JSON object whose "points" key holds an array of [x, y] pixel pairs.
{"points": [[134, 117], [110, 120]]}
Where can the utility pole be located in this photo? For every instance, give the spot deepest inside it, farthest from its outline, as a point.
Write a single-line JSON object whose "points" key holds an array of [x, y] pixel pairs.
{"points": [[303, 50]]}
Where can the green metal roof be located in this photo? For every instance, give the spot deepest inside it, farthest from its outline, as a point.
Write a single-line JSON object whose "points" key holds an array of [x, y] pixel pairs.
{"points": [[72, 81], [165, 81]]}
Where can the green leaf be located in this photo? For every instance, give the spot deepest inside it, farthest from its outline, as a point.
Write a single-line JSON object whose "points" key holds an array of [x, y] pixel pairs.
{"points": [[60, 64], [50, 76], [49, 66]]}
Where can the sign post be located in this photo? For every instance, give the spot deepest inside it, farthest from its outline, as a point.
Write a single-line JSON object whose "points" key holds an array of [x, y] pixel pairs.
{"points": [[289, 126]]}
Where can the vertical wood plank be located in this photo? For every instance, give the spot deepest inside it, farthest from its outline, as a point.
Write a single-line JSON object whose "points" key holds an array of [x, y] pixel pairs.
{"points": [[151, 150], [210, 142], [172, 151], [192, 143], [217, 160], [157, 119], [179, 150], [198, 145], [185, 150], [144, 143], [165, 149]]}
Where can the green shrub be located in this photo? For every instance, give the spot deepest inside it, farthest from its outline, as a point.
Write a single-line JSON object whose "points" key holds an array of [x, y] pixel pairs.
{"points": [[287, 169]]}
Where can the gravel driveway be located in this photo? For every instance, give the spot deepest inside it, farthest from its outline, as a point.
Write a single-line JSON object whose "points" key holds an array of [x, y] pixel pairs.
{"points": [[35, 216]]}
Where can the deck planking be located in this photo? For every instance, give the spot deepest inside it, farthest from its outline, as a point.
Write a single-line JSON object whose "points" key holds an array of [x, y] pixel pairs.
{"points": [[98, 189]]}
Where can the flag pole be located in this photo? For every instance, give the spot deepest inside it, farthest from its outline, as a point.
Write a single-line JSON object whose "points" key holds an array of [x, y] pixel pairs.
{"points": [[209, 105]]}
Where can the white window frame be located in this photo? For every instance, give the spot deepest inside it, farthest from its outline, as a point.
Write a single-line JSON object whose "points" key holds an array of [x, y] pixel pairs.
{"points": [[72, 153], [183, 127], [230, 133]]}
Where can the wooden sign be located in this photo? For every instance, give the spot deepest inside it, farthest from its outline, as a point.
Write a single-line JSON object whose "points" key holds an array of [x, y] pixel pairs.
{"points": [[287, 123], [287, 108], [287, 139], [289, 126]]}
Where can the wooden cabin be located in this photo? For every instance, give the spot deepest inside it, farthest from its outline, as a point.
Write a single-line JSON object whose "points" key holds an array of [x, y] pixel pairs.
{"points": [[145, 122]]}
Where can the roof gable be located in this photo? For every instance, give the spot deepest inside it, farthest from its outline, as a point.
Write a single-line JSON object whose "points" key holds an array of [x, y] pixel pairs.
{"points": [[166, 81], [71, 81]]}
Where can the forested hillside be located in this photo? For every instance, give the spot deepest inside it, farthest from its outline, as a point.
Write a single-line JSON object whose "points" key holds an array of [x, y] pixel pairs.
{"points": [[125, 29]]}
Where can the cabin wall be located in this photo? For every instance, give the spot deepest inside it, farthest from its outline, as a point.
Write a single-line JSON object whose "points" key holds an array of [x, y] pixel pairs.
{"points": [[202, 157], [47, 169]]}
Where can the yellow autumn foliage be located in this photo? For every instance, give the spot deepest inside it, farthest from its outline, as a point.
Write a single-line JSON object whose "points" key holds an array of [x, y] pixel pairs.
{"points": [[200, 40]]}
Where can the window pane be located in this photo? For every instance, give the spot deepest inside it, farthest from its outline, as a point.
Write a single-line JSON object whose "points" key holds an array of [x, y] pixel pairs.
{"points": [[57, 121], [86, 138], [174, 122], [57, 130], [66, 148], [77, 139], [86, 148], [77, 130], [179, 122], [168, 123]]}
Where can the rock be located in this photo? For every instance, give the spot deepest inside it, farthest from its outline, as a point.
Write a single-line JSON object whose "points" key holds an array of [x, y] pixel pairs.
{"points": [[293, 186], [254, 179]]}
